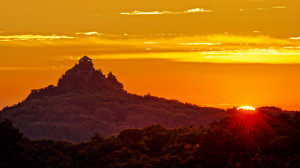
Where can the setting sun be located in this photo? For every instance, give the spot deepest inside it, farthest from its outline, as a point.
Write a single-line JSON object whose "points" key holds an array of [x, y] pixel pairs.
{"points": [[160, 83], [248, 108]]}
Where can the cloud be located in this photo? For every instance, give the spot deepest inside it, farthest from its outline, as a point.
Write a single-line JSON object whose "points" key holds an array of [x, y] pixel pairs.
{"points": [[147, 13], [33, 37], [295, 38], [150, 42], [261, 9], [206, 48], [195, 10], [88, 33], [279, 7], [196, 44]]}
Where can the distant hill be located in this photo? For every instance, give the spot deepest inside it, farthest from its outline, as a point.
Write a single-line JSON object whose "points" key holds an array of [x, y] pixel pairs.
{"points": [[85, 102]]}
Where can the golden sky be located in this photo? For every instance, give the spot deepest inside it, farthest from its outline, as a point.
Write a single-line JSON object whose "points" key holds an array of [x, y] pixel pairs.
{"points": [[209, 52]]}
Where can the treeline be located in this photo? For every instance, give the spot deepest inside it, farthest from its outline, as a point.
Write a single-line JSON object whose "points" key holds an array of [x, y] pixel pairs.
{"points": [[268, 142], [76, 116]]}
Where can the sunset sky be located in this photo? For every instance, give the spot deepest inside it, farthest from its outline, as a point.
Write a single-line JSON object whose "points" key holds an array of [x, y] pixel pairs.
{"points": [[219, 53]]}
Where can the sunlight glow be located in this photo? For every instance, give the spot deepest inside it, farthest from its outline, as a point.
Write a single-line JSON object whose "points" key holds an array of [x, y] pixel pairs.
{"points": [[248, 108]]}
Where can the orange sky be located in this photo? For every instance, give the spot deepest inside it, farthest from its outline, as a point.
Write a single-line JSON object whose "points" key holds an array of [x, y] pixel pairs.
{"points": [[210, 52]]}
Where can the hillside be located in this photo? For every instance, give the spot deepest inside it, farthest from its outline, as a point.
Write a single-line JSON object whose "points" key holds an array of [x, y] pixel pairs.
{"points": [[85, 102]]}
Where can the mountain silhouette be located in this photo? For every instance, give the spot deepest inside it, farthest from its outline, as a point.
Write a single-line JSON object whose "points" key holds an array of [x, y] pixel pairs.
{"points": [[85, 102]]}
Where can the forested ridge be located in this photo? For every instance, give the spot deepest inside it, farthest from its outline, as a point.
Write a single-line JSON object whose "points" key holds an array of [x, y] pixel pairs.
{"points": [[242, 140], [85, 101]]}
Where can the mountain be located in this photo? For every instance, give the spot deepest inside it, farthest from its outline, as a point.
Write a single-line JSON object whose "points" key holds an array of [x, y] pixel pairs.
{"points": [[85, 102]]}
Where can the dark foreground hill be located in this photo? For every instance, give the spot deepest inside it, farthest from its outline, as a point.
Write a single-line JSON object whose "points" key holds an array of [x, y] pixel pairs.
{"points": [[240, 141], [85, 102]]}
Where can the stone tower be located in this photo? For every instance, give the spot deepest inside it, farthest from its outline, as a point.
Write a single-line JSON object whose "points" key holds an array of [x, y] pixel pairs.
{"points": [[86, 68]]}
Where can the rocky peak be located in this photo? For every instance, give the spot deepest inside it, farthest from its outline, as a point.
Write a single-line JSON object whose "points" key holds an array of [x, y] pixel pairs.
{"points": [[84, 74], [82, 77]]}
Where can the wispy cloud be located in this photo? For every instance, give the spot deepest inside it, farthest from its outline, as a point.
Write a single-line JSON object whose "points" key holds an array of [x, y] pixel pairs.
{"points": [[295, 38], [88, 33], [261, 9], [279, 7], [195, 10], [197, 44], [150, 42], [147, 13], [33, 37], [207, 48]]}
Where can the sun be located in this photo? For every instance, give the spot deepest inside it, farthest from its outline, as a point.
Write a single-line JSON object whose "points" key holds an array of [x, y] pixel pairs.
{"points": [[246, 108]]}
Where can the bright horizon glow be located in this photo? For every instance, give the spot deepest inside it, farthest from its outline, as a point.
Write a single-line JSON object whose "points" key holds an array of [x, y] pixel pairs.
{"points": [[247, 108]]}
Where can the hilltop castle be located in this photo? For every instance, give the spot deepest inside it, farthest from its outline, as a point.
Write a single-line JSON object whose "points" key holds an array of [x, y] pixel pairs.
{"points": [[86, 69], [84, 75]]}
